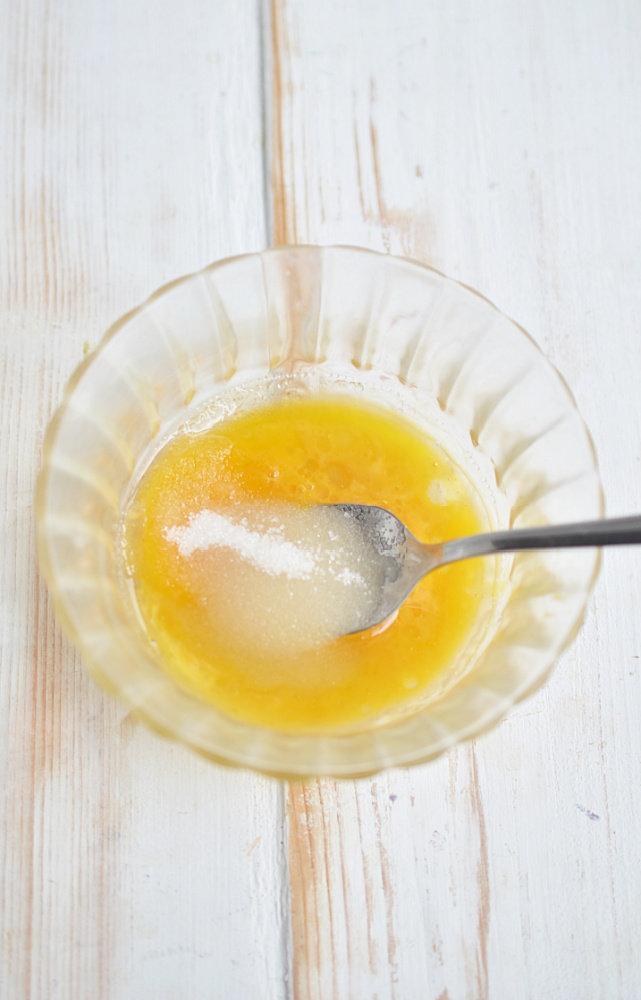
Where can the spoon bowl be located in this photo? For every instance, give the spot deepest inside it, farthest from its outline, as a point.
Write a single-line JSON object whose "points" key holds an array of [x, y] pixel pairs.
{"points": [[407, 560]]}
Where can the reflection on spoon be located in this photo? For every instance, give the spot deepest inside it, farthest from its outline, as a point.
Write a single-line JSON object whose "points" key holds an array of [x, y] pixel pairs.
{"points": [[404, 560]]}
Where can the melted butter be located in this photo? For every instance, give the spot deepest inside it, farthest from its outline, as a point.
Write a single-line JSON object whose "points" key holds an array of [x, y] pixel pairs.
{"points": [[244, 584]]}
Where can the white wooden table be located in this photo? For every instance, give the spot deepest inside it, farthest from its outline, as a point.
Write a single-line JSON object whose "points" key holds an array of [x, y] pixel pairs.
{"points": [[499, 141]]}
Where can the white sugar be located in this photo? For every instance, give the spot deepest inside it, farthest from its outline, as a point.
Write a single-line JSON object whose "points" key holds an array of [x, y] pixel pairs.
{"points": [[281, 578], [266, 551]]}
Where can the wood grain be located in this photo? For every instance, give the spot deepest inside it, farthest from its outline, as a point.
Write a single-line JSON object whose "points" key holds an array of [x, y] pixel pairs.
{"points": [[132, 152], [498, 143]]}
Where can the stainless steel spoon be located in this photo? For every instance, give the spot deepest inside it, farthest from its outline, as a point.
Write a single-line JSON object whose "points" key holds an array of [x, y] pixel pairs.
{"points": [[408, 560]]}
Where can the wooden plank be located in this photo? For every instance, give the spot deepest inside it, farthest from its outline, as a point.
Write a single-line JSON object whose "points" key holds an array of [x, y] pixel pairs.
{"points": [[132, 153], [499, 143]]}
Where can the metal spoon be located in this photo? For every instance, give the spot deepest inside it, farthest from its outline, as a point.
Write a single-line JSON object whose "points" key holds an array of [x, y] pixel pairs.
{"points": [[409, 560]]}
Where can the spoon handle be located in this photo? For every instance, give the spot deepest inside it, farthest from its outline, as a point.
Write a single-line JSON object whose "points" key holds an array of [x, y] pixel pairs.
{"points": [[616, 531]]}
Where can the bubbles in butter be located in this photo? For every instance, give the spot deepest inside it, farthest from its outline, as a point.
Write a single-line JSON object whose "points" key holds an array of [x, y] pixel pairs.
{"points": [[280, 578]]}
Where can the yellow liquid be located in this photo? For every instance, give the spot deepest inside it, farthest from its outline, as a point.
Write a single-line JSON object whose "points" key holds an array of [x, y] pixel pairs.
{"points": [[316, 449]]}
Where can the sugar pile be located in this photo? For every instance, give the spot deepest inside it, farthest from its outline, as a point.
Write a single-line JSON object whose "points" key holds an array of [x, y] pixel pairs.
{"points": [[280, 578], [266, 551]]}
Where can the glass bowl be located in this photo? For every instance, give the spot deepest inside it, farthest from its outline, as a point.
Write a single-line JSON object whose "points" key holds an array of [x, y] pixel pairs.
{"points": [[301, 319]]}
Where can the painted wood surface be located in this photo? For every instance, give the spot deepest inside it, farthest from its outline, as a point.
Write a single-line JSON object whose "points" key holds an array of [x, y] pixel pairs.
{"points": [[132, 152], [497, 141]]}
